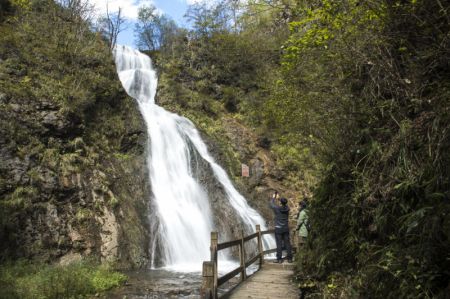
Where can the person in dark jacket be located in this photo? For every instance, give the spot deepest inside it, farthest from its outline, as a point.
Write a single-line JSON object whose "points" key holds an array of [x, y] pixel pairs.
{"points": [[281, 227]]}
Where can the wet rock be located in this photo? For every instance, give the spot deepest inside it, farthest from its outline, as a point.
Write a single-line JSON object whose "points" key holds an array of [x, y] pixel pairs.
{"points": [[45, 178], [49, 168], [45, 104], [257, 172], [249, 149], [223, 212], [57, 124], [132, 141], [17, 169]]}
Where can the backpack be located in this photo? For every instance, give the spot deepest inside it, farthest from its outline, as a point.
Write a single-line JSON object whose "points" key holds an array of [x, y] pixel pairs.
{"points": [[308, 225], [306, 222]]}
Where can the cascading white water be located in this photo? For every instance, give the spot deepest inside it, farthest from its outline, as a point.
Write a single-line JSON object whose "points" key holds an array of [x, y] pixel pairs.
{"points": [[181, 203]]}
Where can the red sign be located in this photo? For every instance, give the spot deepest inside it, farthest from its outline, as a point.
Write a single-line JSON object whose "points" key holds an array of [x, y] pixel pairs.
{"points": [[245, 171]]}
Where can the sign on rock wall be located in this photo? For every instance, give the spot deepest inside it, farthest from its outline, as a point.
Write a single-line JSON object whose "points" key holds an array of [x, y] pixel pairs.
{"points": [[245, 170]]}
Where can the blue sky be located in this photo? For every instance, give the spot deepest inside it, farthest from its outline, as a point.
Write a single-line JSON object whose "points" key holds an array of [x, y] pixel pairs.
{"points": [[173, 8]]}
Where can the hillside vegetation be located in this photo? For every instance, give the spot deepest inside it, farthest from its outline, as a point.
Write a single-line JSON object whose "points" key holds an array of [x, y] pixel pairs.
{"points": [[72, 183], [352, 98]]}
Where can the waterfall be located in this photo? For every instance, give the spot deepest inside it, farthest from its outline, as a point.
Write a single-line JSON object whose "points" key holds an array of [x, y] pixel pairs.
{"points": [[181, 219]]}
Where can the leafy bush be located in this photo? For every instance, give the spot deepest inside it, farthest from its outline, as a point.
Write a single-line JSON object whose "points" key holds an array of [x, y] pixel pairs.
{"points": [[23, 279], [380, 109]]}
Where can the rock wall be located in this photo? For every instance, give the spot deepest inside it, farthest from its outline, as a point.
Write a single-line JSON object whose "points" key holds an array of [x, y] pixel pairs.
{"points": [[232, 143], [73, 180], [66, 194], [238, 144]]}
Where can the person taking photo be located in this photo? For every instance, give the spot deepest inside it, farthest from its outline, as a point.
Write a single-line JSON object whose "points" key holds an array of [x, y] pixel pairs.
{"points": [[281, 211]]}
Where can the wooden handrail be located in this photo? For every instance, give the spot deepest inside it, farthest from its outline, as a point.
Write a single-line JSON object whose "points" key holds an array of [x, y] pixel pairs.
{"points": [[248, 238], [228, 244], [211, 281], [269, 231], [229, 275], [269, 251], [252, 260]]}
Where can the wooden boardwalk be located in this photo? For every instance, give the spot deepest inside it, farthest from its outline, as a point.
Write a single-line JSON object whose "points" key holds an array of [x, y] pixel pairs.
{"points": [[273, 281]]}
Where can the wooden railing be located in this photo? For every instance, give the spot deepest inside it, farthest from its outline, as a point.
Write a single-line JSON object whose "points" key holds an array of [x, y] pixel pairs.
{"points": [[211, 281]]}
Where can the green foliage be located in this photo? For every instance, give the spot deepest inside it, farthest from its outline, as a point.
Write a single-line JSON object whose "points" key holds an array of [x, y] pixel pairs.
{"points": [[381, 208], [21, 4], [54, 57], [105, 279], [154, 31], [357, 100], [209, 19], [77, 280], [322, 25]]}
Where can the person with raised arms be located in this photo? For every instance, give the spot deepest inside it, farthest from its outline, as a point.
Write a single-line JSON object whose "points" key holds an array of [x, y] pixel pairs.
{"points": [[281, 212]]}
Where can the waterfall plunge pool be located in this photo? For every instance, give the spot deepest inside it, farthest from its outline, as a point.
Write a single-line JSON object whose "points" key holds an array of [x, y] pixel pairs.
{"points": [[166, 284]]}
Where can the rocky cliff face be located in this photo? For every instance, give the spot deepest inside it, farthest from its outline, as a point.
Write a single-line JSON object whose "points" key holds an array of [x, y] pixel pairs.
{"points": [[232, 143], [73, 180], [64, 193], [238, 144]]}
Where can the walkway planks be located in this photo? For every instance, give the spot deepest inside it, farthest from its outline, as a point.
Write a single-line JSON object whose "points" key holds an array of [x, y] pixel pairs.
{"points": [[273, 281]]}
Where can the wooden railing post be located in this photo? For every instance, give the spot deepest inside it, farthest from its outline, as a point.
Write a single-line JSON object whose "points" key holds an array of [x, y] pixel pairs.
{"points": [[242, 257], [207, 290], [213, 248], [211, 280], [260, 247]]}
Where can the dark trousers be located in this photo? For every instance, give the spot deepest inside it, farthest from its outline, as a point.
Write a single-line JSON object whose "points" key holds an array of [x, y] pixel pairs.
{"points": [[283, 238]]}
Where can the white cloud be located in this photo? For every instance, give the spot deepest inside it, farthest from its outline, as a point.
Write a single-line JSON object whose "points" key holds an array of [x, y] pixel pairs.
{"points": [[129, 7], [190, 2]]}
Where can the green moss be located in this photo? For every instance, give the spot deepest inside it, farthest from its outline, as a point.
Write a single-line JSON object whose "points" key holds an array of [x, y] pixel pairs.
{"points": [[50, 158], [33, 149], [70, 163], [123, 156], [83, 215], [20, 198], [113, 201]]}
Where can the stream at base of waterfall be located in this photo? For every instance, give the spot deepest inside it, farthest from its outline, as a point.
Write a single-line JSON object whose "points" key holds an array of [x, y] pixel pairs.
{"points": [[181, 216], [165, 284]]}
